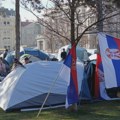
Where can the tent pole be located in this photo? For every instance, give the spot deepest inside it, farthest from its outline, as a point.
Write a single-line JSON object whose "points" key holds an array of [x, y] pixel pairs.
{"points": [[45, 108], [49, 91]]}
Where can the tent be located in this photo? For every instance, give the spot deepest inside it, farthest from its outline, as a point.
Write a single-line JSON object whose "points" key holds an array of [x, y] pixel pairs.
{"points": [[93, 57], [91, 51], [27, 87], [31, 58], [104, 93], [81, 53], [34, 52]]}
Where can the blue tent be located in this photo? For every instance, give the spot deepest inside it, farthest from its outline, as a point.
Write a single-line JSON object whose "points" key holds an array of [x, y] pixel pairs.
{"points": [[85, 93], [89, 75], [104, 93], [35, 52], [10, 58]]}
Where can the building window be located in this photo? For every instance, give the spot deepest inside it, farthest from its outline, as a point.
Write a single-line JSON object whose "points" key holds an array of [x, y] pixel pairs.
{"points": [[4, 22], [8, 22], [4, 38], [8, 47], [5, 47]]}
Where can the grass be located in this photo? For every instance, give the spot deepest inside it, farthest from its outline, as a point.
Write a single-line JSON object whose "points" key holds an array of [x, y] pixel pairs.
{"points": [[103, 110]]}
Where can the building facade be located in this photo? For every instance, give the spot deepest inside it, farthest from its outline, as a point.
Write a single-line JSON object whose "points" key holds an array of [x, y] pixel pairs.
{"points": [[7, 29], [29, 32], [42, 43], [87, 16]]}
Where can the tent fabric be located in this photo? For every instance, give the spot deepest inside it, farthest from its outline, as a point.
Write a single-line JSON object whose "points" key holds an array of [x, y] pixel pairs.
{"points": [[85, 93], [93, 57], [105, 94], [90, 77], [34, 52], [31, 58], [27, 87], [81, 53], [10, 58]]}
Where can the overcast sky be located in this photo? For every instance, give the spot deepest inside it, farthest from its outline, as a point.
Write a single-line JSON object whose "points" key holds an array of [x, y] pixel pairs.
{"points": [[25, 15]]}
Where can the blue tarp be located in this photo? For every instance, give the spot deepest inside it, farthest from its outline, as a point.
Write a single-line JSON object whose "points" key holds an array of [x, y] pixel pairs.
{"points": [[89, 75], [35, 52]]}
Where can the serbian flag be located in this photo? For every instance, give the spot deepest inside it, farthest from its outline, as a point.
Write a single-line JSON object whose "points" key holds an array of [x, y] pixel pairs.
{"points": [[70, 73], [97, 76], [110, 54], [100, 90]]}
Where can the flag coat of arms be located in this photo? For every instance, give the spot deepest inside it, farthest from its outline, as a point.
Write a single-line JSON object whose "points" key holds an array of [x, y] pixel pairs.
{"points": [[100, 82], [110, 54]]}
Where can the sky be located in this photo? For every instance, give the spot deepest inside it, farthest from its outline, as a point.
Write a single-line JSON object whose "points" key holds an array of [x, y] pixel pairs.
{"points": [[25, 15]]}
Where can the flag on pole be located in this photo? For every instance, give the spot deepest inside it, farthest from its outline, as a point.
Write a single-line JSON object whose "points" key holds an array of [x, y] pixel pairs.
{"points": [[97, 76], [100, 90], [71, 77], [110, 53]]}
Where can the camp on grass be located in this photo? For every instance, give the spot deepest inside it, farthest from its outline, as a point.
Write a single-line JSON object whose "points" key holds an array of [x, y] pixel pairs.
{"points": [[102, 110], [27, 87]]}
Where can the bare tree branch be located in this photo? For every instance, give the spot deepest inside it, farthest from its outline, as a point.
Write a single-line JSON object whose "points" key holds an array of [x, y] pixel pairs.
{"points": [[79, 37]]}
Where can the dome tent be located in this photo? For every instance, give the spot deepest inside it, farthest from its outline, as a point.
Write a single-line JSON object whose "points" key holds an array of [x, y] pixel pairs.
{"points": [[31, 51], [35, 52], [27, 87]]}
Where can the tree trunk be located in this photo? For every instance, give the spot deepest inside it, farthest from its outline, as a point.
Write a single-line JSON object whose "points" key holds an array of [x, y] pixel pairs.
{"points": [[99, 15], [72, 23], [17, 45]]}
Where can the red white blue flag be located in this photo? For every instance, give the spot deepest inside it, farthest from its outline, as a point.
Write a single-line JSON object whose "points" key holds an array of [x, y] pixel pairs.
{"points": [[110, 54], [97, 77], [71, 73], [100, 82]]}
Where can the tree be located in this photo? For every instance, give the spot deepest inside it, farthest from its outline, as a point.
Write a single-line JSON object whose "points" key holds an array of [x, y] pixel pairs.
{"points": [[17, 46], [73, 14], [116, 2], [70, 9]]}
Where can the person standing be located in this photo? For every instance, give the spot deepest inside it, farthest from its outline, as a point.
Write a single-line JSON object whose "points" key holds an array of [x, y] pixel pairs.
{"points": [[63, 54], [2, 68], [5, 53]]}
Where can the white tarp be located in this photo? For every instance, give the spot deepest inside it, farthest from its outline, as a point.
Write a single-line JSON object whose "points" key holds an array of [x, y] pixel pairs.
{"points": [[23, 84]]}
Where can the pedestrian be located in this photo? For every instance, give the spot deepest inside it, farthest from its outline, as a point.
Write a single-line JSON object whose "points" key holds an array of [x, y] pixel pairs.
{"points": [[2, 68], [5, 53], [63, 54]]}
